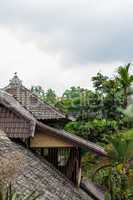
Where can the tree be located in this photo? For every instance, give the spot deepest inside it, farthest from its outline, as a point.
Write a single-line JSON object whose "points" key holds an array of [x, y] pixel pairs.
{"points": [[112, 100], [50, 97], [125, 80], [72, 101], [73, 92], [108, 95], [38, 91], [118, 166], [98, 82]]}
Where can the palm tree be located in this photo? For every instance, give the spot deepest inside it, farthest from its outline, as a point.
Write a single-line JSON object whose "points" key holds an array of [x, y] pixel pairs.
{"points": [[125, 80], [117, 165]]}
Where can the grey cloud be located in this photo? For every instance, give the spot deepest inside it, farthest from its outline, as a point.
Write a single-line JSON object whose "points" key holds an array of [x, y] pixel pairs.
{"points": [[83, 31]]}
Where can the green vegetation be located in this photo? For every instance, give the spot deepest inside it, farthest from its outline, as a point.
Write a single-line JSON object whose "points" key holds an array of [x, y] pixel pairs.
{"points": [[103, 116], [117, 168], [125, 80], [9, 194], [49, 96]]}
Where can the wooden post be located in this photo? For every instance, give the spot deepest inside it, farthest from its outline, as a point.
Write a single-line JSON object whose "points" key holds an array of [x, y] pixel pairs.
{"points": [[70, 165], [42, 151], [27, 142], [78, 167]]}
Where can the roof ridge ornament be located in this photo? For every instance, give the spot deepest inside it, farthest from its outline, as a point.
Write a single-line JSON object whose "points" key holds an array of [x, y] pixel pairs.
{"points": [[15, 81]]}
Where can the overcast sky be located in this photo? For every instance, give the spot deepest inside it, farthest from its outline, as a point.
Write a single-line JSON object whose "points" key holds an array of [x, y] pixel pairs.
{"points": [[60, 43]]}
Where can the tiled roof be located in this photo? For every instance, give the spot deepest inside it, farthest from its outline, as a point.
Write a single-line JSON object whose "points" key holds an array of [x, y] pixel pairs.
{"points": [[38, 175], [16, 121], [40, 110]]}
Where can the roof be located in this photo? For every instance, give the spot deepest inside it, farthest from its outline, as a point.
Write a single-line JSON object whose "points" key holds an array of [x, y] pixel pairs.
{"points": [[36, 174], [76, 140], [15, 120], [22, 124], [40, 109]]}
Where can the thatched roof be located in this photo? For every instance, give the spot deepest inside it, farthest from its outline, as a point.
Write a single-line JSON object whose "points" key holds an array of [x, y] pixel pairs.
{"points": [[38, 175], [17, 122], [40, 109]]}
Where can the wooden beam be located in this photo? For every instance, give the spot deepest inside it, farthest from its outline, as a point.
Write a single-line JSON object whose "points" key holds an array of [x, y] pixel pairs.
{"points": [[41, 140]]}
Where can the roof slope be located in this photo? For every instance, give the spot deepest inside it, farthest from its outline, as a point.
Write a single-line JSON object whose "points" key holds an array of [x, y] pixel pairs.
{"points": [[40, 110], [14, 119], [38, 175]]}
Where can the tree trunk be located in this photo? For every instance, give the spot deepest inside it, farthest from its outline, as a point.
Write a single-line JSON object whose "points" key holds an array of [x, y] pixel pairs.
{"points": [[125, 98]]}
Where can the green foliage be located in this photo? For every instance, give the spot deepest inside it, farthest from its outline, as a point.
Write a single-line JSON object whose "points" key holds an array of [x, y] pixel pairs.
{"points": [[7, 193], [121, 149], [49, 96], [73, 92], [128, 112], [109, 95], [88, 162], [124, 77], [37, 90], [126, 134], [101, 114], [116, 171], [73, 101], [99, 81], [125, 80], [95, 130], [69, 106], [107, 196]]}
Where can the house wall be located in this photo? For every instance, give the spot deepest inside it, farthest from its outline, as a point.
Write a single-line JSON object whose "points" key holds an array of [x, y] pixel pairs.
{"points": [[47, 140]]}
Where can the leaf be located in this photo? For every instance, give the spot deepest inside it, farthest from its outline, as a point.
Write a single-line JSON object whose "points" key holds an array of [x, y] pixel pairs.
{"points": [[107, 196]]}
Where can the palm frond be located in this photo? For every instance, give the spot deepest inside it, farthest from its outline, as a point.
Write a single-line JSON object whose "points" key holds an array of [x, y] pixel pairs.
{"points": [[99, 168], [124, 77]]}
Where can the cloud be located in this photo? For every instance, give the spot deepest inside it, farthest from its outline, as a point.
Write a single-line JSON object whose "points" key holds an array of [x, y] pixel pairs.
{"points": [[60, 43], [35, 67], [81, 31]]}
